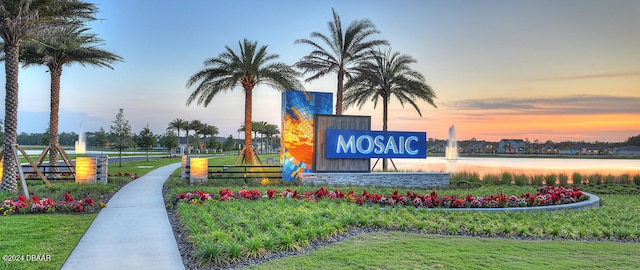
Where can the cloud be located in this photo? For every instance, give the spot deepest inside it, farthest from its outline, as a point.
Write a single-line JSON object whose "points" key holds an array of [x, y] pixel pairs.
{"points": [[580, 104], [591, 76]]}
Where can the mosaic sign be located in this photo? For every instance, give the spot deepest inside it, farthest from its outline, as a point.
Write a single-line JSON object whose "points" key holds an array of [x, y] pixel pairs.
{"points": [[375, 144]]}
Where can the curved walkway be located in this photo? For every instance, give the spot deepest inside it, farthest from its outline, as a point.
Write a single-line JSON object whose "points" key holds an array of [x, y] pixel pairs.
{"points": [[132, 232]]}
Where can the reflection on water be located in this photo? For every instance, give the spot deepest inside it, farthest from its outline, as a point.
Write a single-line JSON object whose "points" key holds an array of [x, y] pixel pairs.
{"points": [[528, 166]]}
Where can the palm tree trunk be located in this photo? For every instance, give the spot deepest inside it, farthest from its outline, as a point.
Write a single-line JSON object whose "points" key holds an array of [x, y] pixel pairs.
{"points": [[11, 50], [339, 92], [385, 113], [248, 141], [56, 73], [188, 150], [178, 140]]}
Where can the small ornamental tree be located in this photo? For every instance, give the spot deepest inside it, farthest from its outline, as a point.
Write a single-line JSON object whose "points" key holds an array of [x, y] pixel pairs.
{"points": [[146, 140], [101, 138], [169, 140], [120, 132]]}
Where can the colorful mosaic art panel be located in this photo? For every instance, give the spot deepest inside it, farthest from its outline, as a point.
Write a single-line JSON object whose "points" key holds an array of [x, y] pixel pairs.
{"points": [[298, 109]]}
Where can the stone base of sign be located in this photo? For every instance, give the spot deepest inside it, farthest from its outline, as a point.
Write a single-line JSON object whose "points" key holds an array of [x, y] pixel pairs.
{"points": [[378, 179]]}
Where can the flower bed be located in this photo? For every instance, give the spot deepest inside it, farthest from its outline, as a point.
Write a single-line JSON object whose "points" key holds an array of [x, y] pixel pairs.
{"points": [[69, 205], [546, 195]]}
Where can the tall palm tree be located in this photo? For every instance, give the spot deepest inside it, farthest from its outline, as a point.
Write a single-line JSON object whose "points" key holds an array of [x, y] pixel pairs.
{"points": [[252, 65], [19, 20], [385, 75], [66, 45], [178, 124], [343, 51]]}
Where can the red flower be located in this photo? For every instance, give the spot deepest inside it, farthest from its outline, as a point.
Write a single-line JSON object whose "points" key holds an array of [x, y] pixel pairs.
{"points": [[271, 193], [88, 201], [22, 199], [320, 193], [67, 197], [78, 208]]}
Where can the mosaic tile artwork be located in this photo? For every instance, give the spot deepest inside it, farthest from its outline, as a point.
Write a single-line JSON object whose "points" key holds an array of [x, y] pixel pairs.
{"points": [[298, 109]]}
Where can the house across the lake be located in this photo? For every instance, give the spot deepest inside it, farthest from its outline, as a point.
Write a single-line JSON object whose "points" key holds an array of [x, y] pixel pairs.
{"points": [[511, 146]]}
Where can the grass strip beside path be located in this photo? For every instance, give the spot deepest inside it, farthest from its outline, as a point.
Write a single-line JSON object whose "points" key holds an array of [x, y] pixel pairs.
{"points": [[54, 235]]}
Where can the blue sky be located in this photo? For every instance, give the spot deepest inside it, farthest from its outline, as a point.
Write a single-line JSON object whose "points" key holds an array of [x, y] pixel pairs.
{"points": [[518, 69]]}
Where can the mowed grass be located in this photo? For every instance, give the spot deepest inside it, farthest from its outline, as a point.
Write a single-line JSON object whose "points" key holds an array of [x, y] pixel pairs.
{"points": [[57, 234], [54, 235], [399, 250]]}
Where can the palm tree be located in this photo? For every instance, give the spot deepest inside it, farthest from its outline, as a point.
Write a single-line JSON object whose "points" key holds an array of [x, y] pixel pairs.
{"points": [[178, 124], [386, 75], [66, 45], [269, 131], [345, 50], [208, 130], [19, 20], [194, 125], [252, 66], [259, 127]]}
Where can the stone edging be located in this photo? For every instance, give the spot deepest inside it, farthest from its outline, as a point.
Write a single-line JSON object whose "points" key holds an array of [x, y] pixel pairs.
{"points": [[592, 202]]}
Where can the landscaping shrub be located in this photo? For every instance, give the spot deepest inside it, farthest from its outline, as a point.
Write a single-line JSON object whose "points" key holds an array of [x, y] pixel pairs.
{"points": [[636, 180], [521, 180], [550, 179], [474, 177], [564, 179], [491, 179], [537, 179], [609, 179], [595, 179], [625, 179], [507, 178], [577, 178]]}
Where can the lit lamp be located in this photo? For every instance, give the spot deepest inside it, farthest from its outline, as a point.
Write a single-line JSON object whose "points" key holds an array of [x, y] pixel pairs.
{"points": [[86, 169], [198, 169], [1, 168]]}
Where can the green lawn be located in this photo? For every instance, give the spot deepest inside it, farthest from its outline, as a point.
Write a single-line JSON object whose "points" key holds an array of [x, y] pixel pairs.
{"points": [[57, 234], [397, 250], [44, 234]]}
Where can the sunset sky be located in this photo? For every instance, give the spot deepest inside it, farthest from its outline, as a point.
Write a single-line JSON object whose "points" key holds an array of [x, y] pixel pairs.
{"points": [[540, 70]]}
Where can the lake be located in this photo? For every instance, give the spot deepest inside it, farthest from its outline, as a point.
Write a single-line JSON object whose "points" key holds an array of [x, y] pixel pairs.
{"points": [[528, 166]]}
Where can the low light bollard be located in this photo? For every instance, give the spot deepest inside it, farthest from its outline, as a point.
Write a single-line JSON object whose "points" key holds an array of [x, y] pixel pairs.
{"points": [[198, 170], [86, 170]]}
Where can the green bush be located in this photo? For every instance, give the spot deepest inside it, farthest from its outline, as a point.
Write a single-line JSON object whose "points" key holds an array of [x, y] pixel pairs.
{"points": [[609, 179], [474, 177], [507, 178], [564, 179], [595, 179], [636, 180], [577, 178], [625, 179], [550, 179], [521, 180], [537, 179], [491, 179]]}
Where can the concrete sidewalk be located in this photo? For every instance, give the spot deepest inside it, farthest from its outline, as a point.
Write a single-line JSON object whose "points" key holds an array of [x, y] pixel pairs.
{"points": [[132, 232]]}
